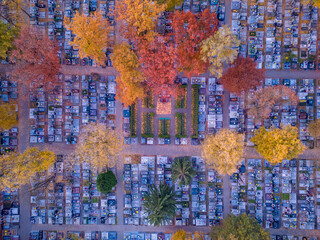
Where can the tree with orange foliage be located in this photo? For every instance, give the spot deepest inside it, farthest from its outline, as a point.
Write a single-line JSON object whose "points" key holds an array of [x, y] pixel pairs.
{"points": [[92, 35], [262, 101], [189, 31], [129, 83], [242, 76], [157, 61], [35, 56]]}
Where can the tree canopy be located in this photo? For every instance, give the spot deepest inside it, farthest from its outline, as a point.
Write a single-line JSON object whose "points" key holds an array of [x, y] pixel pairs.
{"points": [[240, 227], [129, 84], [7, 34], [242, 76], [262, 101], [157, 60], [14, 12], [220, 48], [16, 169], [160, 204], [189, 31], [99, 145], [182, 171], [183, 235], [277, 144], [106, 181], [170, 4], [223, 151], [36, 57], [138, 18], [8, 116], [92, 35], [314, 129]]}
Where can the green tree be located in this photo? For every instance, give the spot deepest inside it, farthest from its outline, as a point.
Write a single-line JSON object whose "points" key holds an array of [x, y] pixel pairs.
{"points": [[7, 35], [223, 151], [160, 204], [182, 171], [106, 181], [239, 227], [16, 169], [8, 116], [278, 144]]}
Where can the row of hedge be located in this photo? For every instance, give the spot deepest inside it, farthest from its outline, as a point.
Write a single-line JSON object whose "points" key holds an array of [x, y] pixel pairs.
{"points": [[147, 125], [181, 100], [164, 129], [133, 121], [148, 101], [181, 125], [195, 111]]}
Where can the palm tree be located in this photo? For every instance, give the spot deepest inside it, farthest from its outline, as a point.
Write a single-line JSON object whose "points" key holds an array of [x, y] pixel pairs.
{"points": [[160, 204], [182, 171]]}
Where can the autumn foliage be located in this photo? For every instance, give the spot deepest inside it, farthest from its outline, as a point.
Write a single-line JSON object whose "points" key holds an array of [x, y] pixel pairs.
{"points": [[157, 60], [223, 151], [92, 35], [219, 49], [16, 169], [36, 57], [129, 83], [262, 101], [189, 31], [137, 18], [278, 144], [242, 76]]}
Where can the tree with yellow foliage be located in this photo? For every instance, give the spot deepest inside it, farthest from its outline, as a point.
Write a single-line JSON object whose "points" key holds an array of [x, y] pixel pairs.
{"points": [[170, 4], [314, 129], [129, 83], [223, 151], [92, 35], [220, 48], [16, 169], [14, 12], [183, 235], [7, 34], [138, 17], [8, 116], [99, 145], [277, 144]]}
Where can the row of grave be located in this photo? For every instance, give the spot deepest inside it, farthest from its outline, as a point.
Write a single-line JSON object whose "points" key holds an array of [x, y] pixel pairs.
{"points": [[57, 115]]}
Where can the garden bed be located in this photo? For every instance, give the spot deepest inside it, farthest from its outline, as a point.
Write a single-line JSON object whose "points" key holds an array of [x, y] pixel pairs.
{"points": [[164, 128], [133, 121], [195, 111], [181, 100], [148, 101], [181, 125], [147, 125]]}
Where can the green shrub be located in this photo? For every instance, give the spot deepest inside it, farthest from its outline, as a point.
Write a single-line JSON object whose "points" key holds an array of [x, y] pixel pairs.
{"points": [[106, 181]]}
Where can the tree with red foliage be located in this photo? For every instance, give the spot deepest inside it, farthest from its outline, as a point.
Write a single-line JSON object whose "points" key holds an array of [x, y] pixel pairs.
{"points": [[242, 76], [189, 31], [157, 62], [36, 57]]}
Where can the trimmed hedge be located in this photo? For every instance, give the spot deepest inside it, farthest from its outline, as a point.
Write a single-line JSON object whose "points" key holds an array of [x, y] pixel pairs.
{"points": [[195, 111], [181, 130], [133, 121]]}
